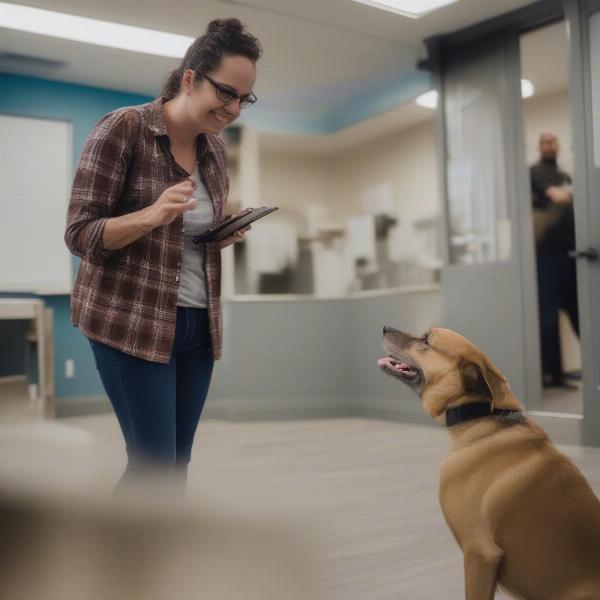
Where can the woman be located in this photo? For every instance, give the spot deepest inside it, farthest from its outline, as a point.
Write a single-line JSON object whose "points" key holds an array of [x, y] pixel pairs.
{"points": [[149, 179]]}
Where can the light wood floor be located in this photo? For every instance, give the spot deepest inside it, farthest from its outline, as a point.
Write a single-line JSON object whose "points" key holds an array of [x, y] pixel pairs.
{"points": [[360, 496]]}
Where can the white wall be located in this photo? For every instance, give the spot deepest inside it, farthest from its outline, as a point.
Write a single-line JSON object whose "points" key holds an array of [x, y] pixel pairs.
{"points": [[396, 172], [295, 182], [405, 160], [548, 113]]}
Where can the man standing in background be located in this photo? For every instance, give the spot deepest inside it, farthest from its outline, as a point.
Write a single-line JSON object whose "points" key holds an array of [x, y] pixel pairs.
{"points": [[554, 225]]}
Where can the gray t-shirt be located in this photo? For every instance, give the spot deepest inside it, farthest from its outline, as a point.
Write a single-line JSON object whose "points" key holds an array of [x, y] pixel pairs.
{"points": [[192, 278]]}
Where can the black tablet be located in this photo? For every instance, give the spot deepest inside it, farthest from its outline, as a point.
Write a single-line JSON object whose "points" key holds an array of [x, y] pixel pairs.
{"points": [[233, 223]]}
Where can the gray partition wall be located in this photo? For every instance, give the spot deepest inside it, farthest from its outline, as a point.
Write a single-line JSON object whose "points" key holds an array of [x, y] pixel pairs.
{"points": [[316, 358], [303, 357]]}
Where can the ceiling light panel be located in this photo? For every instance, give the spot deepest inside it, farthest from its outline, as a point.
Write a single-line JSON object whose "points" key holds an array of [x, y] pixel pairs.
{"points": [[408, 8], [93, 31]]}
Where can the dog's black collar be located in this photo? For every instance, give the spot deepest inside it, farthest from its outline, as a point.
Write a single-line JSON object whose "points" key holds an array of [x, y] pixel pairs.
{"points": [[477, 410]]}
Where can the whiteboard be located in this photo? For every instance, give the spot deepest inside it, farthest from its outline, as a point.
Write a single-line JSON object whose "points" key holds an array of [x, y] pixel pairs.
{"points": [[35, 186]]}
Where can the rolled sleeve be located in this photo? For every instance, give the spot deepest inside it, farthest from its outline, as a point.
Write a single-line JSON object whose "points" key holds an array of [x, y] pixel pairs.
{"points": [[99, 182]]}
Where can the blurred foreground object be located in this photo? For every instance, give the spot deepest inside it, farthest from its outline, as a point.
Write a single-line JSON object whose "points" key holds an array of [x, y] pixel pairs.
{"points": [[143, 546]]}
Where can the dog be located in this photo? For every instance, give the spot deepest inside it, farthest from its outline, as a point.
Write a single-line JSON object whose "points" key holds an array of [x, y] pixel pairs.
{"points": [[522, 513]]}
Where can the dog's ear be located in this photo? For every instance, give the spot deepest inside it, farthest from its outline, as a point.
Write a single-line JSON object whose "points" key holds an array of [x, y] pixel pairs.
{"points": [[473, 380], [494, 379], [481, 376]]}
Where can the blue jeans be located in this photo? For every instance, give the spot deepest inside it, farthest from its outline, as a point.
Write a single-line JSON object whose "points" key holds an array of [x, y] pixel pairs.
{"points": [[158, 405]]}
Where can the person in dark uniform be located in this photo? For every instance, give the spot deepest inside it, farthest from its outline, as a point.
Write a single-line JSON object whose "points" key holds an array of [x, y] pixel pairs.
{"points": [[554, 225]]}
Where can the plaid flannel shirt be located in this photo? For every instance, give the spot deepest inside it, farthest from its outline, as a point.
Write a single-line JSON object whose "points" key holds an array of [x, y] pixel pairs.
{"points": [[126, 298]]}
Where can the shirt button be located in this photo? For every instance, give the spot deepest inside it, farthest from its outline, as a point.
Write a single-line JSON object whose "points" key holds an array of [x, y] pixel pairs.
{"points": [[177, 278]]}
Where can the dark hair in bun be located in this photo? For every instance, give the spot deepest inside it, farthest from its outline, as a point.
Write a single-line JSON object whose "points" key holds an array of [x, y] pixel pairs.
{"points": [[223, 37], [224, 25]]}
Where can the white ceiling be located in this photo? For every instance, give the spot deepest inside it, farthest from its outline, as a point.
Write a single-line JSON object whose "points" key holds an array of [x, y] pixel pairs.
{"points": [[543, 62], [312, 44], [317, 53]]}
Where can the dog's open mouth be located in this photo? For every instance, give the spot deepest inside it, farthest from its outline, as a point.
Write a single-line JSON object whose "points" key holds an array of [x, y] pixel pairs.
{"points": [[399, 369]]}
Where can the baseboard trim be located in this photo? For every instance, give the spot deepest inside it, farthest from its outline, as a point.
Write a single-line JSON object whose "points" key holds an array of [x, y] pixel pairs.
{"points": [[556, 415], [404, 416], [560, 429], [274, 409], [13, 378], [80, 406], [265, 409]]}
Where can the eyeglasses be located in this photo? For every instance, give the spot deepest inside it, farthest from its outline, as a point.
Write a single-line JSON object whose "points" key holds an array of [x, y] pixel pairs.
{"points": [[226, 95]]}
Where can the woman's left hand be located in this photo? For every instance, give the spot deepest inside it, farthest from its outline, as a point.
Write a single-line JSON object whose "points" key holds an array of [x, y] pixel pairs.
{"points": [[236, 236]]}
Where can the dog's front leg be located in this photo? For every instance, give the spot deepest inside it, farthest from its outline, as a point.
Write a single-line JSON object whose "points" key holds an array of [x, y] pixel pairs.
{"points": [[481, 567]]}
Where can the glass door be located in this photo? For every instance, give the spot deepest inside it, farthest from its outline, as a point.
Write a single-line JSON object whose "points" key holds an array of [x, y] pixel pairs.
{"points": [[488, 277]]}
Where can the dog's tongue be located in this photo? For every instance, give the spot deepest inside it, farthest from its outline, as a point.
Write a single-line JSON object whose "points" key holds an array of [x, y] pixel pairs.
{"points": [[393, 364], [390, 362]]}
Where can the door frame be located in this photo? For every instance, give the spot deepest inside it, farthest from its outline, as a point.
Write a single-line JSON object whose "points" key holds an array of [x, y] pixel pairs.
{"points": [[586, 184]]}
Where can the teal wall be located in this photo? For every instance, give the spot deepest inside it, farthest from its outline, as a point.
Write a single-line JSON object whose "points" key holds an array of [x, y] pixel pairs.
{"points": [[82, 106]]}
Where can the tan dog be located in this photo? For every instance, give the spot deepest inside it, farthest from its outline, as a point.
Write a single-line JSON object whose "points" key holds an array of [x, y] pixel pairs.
{"points": [[521, 511]]}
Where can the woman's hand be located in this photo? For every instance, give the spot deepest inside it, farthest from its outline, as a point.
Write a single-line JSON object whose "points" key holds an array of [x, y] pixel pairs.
{"points": [[236, 236], [125, 229], [174, 201]]}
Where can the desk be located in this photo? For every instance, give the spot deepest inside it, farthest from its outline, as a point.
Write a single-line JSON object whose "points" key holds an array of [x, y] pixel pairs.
{"points": [[41, 333]]}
